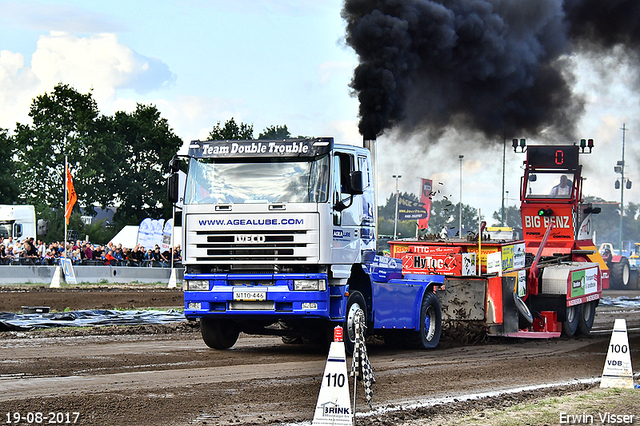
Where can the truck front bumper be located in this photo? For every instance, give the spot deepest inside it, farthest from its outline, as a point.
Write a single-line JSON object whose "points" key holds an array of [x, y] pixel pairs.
{"points": [[259, 295]]}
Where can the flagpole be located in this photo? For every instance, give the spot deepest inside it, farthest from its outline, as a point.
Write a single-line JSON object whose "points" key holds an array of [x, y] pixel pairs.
{"points": [[64, 182]]}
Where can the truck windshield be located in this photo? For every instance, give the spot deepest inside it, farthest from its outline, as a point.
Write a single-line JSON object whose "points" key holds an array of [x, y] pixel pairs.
{"points": [[5, 229], [550, 185], [270, 181]]}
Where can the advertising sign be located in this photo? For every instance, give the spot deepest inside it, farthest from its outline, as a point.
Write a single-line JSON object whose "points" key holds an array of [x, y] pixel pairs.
{"points": [[584, 282], [410, 210], [425, 199], [459, 264]]}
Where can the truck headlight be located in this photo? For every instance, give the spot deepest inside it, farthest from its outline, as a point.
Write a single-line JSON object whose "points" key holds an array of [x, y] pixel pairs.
{"points": [[309, 285], [198, 285]]}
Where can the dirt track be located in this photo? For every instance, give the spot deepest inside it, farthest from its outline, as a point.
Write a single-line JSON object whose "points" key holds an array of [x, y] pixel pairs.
{"points": [[165, 375], [94, 297]]}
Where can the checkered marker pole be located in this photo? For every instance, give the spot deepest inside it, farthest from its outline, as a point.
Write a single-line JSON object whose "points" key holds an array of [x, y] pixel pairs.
{"points": [[360, 366]]}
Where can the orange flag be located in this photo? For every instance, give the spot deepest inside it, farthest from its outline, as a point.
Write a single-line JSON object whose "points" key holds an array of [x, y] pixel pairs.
{"points": [[71, 196]]}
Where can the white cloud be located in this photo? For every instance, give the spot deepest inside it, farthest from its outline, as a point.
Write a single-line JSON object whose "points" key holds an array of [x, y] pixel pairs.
{"points": [[98, 63], [18, 86]]}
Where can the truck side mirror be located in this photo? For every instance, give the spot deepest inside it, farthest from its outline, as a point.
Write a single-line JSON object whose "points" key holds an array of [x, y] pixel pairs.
{"points": [[17, 230], [172, 188], [356, 183], [174, 165]]}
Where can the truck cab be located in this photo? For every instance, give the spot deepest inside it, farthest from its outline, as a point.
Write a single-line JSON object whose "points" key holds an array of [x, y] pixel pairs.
{"points": [[280, 238], [557, 232], [17, 221]]}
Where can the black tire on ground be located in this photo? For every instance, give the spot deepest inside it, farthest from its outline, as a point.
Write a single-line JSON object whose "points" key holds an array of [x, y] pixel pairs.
{"points": [[620, 274], [355, 302], [428, 336], [585, 320], [219, 333], [570, 326], [633, 281]]}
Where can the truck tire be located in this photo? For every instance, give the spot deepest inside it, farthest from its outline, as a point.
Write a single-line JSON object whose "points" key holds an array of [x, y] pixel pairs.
{"points": [[219, 334], [355, 302], [570, 326], [585, 320], [620, 274], [428, 336]]}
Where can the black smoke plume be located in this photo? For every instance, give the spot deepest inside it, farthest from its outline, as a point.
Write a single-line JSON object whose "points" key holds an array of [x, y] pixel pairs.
{"points": [[496, 66]]}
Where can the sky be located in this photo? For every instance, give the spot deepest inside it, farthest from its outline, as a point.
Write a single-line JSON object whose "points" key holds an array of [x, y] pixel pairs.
{"points": [[280, 62]]}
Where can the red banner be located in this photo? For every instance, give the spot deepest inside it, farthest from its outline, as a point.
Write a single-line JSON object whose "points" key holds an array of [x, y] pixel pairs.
{"points": [[425, 199], [71, 196]]}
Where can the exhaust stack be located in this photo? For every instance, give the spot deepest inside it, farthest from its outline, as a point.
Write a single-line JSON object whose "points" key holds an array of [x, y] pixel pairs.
{"points": [[370, 143]]}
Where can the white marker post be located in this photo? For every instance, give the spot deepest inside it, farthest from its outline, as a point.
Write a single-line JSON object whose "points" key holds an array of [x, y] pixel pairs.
{"points": [[334, 406], [55, 280], [173, 280], [617, 371]]}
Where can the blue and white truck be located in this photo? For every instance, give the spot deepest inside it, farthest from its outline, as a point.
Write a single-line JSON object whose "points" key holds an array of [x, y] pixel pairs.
{"points": [[280, 239]]}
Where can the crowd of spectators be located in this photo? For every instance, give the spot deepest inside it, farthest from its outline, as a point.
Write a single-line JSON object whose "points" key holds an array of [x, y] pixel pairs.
{"points": [[30, 252]]}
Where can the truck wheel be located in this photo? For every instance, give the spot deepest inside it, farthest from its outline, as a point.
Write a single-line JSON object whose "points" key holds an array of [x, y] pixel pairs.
{"points": [[219, 334], [428, 336], [620, 274], [585, 320], [570, 326], [355, 303]]}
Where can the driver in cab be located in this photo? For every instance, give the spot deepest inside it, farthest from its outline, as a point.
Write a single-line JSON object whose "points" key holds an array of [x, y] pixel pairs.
{"points": [[563, 189]]}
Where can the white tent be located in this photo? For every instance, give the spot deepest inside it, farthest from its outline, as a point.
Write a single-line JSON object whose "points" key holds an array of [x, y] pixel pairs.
{"points": [[128, 236]]}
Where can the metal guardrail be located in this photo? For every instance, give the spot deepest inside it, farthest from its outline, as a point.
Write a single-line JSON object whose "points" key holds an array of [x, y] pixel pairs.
{"points": [[57, 262]]}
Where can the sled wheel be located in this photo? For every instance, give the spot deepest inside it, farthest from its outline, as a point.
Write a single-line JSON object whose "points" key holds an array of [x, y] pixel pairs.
{"points": [[570, 326], [585, 320]]}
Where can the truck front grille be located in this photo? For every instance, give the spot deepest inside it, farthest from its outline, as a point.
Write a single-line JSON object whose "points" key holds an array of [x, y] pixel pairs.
{"points": [[249, 247]]}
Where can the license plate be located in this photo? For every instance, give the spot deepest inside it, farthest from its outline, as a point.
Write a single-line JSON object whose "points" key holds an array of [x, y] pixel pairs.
{"points": [[250, 295]]}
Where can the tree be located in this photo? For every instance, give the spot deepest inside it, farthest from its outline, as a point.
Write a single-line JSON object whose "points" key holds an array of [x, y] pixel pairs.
{"points": [[445, 215], [511, 216], [65, 122], [145, 144], [8, 183], [231, 131], [275, 132]]}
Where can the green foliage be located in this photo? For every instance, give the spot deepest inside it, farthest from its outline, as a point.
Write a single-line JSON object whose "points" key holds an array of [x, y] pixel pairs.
{"points": [[8, 182], [275, 132], [231, 131], [119, 160], [98, 233], [512, 217], [145, 145], [64, 123], [444, 214]]}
